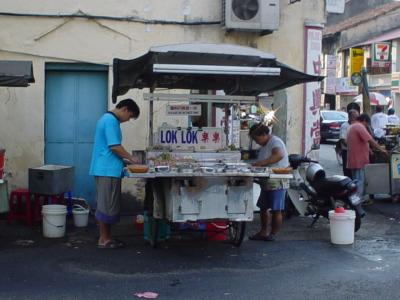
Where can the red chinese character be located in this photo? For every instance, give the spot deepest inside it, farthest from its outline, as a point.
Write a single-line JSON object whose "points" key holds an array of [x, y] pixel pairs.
{"points": [[316, 141], [216, 138], [316, 101], [317, 66], [315, 130], [204, 137]]}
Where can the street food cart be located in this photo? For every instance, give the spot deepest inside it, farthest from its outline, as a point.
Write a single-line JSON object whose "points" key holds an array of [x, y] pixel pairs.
{"points": [[195, 173], [383, 176]]}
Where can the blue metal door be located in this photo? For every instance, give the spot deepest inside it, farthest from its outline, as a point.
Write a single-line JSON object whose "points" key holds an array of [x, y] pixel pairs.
{"points": [[75, 100]]}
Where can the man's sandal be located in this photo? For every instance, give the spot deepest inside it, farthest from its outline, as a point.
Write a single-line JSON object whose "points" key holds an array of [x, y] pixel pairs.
{"points": [[112, 244]]}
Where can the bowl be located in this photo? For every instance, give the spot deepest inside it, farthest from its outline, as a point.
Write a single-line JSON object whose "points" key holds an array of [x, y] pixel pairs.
{"points": [[207, 169], [277, 170], [162, 169], [258, 169], [186, 170], [137, 168]]}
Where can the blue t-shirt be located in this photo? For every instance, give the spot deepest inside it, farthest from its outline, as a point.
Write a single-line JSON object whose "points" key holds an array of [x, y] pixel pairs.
{"points": [[104, 161]]}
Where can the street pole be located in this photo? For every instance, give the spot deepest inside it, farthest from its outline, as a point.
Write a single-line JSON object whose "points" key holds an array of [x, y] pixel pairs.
{"points": [[365, 92]]}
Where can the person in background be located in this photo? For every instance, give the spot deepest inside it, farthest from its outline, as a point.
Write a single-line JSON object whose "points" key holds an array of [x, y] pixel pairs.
{"points": [[107, 167], [359, 142], [379, 120], [392, 118], [272, 197], [353, 105], [389, 102], [353, 115]]}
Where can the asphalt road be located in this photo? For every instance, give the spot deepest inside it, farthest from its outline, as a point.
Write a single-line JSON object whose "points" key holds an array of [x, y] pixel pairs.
{"points": [[301, 264], [327, 157]]}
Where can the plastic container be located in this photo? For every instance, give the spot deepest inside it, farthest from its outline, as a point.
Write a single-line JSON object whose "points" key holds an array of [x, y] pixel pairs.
{"points": [[342, 227], [54, 219], [163, 229], [216, 231], [80, 215], [139, 223]]}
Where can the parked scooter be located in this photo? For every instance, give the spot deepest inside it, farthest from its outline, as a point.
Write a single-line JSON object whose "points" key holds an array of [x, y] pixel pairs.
{"points": [[313, 193]]}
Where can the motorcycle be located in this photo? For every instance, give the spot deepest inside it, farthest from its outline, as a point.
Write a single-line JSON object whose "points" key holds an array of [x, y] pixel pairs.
{"points": [[313, 193]]}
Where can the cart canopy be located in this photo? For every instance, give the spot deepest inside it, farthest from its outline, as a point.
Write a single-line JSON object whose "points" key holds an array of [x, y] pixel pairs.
{"points": [[16, 73], [237, 70]]}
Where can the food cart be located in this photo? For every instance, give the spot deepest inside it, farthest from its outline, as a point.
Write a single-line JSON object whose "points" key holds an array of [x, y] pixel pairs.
{"points": [[195, 174], [383, 176]]}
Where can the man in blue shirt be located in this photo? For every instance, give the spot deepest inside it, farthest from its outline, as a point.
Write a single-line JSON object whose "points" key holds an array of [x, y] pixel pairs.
{"points": [[107, 167]]}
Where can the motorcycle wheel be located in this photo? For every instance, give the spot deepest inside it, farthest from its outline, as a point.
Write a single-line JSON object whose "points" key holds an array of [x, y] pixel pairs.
{"points": [[236, 231]]}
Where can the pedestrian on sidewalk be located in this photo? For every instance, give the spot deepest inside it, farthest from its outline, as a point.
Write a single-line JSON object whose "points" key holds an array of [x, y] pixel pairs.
{"points": [[273, 191], [107, 168], [359, 142], [353, 115]]}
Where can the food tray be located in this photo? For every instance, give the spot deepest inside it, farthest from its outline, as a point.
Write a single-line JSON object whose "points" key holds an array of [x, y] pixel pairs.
{"points": [[281, 170]]}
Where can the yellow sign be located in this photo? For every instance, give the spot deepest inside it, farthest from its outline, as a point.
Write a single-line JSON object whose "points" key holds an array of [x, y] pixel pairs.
{"points": [[356, 60]]}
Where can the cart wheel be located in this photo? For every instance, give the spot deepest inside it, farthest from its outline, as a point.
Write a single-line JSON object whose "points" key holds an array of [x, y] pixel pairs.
{"points": [[153, 231], [236, 232]]}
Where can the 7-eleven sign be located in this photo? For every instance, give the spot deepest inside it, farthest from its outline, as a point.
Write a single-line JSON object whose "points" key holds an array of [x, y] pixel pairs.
{"points": [[382, 54]]}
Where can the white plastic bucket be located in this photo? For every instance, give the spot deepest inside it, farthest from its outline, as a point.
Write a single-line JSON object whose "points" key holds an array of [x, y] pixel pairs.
{"points": [[342, 227], [80, 215], [54, 219]]}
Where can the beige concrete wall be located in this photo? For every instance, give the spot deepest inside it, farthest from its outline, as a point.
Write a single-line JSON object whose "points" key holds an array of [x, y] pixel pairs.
{"points": [[44, 39], [288, 46]]}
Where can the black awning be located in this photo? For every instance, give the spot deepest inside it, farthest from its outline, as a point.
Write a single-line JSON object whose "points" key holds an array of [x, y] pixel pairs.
{"points": [[15, 73], [138, 73]]}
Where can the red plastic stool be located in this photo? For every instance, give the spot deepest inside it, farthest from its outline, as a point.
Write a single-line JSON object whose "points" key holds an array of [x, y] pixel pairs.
{"points": [[42, 199], [20, 207]]}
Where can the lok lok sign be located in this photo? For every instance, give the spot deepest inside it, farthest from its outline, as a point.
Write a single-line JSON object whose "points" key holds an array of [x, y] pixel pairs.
{"points": [[206, 138]]}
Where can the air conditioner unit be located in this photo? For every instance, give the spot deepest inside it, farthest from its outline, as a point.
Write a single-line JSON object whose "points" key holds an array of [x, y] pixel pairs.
{"points": [[250, 15]]}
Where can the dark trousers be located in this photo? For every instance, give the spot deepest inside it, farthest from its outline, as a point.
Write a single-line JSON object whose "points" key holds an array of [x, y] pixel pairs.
{"points": [[346, 172]]}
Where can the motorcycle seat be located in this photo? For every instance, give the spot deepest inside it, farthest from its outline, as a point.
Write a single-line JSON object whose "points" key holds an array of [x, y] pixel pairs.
{"points": [[331, 184]]}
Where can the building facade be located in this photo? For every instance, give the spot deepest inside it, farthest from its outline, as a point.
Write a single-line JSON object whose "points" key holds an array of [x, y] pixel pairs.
{"points": [[72, 45], [363, 29]]}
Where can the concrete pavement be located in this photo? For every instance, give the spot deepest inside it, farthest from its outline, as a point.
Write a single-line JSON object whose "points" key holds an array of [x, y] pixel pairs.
{"points": [[301, 264]]}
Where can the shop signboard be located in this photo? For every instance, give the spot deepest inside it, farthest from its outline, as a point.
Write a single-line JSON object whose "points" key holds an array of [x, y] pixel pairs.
{"points": [[184, 110], [344, 87], [335, 6], [312, 90], [206, 138], [330, 79], [396, 82], [356, 60], [381, 55], [234, 136]]}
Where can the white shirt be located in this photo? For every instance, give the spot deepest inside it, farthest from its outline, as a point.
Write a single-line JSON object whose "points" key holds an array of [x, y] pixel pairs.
{"points": [[393, 120], [378, 123], [343, 133], [266, 151]]}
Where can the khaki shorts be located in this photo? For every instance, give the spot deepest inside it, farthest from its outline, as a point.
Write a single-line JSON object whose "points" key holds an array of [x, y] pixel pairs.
{"points": [[108, 198]]}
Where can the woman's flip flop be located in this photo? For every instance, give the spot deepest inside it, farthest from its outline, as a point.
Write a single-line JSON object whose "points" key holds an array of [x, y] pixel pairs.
{"points": [[257, 237]]}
